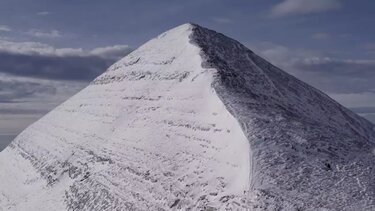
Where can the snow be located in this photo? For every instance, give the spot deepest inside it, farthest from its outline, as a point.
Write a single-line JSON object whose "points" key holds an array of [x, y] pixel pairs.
{"points": [[192, 120], [150, 131], [303, 142]]}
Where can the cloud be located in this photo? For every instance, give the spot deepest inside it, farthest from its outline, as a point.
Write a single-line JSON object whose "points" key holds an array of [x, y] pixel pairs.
{"points": [[364, 110], [355, 100], [370, 117], [20, 111], [321, 36], [111, 52], [38, 60], [31, 96], [26, 48], [24, 94], [348, 81], [43, 13], [82, 68], [332, 75], [222, 20], [5, 140], [4, 28], [303, 7], [35, 77], [368, 46], [280, 55], [42, 49], [339, 75], [44, 34], [24, 100], [12, 90]]}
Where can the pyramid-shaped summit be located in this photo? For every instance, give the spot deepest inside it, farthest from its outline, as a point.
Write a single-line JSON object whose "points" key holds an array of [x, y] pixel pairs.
{"points": [[192, 120]]}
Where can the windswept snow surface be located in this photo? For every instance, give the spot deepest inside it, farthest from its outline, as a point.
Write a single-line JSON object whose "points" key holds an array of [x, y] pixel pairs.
{"points": [[192, 120], [150, 133]]}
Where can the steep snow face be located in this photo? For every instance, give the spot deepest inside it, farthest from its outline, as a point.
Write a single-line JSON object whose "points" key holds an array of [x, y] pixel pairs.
{"points": [[192, 120], [148, 134], [308, 152]]}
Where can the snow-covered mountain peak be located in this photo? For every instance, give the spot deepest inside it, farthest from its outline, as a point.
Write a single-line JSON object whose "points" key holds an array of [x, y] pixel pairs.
{"points": [[193, 120]]}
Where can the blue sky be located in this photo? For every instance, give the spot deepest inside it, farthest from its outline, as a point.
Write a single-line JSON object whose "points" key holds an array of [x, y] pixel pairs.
{"points": [[50, 49]]}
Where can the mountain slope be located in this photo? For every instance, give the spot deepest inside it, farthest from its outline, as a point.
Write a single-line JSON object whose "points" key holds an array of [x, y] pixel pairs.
{"points": [[309, 152], [192, 120]]}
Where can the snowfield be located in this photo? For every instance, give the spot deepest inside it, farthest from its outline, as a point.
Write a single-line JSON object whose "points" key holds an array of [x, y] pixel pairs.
{"points": [[192, 120]]}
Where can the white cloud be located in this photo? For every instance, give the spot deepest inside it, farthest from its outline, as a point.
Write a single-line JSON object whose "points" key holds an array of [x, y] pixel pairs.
{"points": [[37, 48], [110, 51], [303, 7], [44, 34], [69, 52], [5, 28], [26, 47], [327, 60], [24, 99], [43, 13]]}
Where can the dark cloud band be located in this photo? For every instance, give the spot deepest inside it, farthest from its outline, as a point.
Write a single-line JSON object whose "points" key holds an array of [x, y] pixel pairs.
{"points": [[53, 67], [339, 76]]}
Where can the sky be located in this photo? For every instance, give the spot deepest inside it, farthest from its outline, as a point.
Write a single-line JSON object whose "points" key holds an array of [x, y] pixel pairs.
{"points": [[51, 49]]}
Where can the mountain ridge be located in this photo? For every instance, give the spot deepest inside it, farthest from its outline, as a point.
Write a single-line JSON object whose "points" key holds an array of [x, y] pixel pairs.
{"points": [[283, 86]]}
